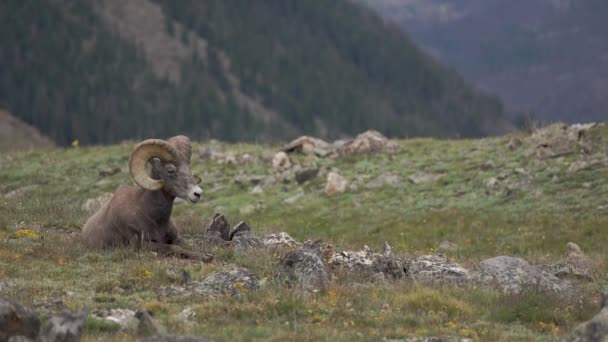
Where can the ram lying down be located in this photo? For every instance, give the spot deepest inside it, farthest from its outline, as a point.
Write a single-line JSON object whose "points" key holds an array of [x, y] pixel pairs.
{"points": [[141, 216]]}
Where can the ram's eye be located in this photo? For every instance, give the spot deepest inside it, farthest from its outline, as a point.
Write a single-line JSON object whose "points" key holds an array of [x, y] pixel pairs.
{"points": [[171, 169], [197, 179]]}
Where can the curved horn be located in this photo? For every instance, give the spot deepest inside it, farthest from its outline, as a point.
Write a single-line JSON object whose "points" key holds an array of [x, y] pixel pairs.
{"points": [[141, 155]]}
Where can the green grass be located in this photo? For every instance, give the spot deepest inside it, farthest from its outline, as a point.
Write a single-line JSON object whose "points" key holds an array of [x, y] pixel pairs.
{"points": [[534, 222]]}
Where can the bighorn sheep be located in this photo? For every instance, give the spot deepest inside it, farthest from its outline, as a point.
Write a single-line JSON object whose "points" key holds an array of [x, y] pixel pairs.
{"points": [[140, 216]]}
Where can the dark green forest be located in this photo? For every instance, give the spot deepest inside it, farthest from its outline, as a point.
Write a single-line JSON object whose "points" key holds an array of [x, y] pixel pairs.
{"points": [[327, 68]]}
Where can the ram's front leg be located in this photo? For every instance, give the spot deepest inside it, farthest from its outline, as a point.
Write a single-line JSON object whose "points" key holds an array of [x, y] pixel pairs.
{"points": [[171, 249]]}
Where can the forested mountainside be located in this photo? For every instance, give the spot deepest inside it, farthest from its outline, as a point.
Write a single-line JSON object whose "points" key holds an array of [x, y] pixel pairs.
{"points": [[107, 70], [545, 57]]}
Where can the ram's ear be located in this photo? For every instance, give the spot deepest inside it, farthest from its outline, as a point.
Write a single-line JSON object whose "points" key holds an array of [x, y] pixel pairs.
{"points": [[197, 179]]}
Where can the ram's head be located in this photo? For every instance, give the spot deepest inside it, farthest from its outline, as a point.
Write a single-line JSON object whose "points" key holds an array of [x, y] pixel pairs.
{"points": [[170, 169]]}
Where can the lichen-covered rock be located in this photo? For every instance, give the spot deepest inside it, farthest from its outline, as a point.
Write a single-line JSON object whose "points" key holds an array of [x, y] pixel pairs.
{"points": [[221, 225], [368, 142], [515, 274], [281, 161], [17, 320], [596, 329], [366, 263], [124, 317], [309, 146], [304, 175], [66, 327], [336, 184], [281, 239], [437, 268], [303, 269], [231, 281]]}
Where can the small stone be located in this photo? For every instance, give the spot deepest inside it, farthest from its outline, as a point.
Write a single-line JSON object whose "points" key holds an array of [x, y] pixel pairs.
{"points": [[17, 320], [437, 268], [304, 175], [595, 329], [147, 324], [220, 224], [447, 246], [514, 143], [229, 281], [573, 250], [187, 314], [424, 177], [124, 317], [293, 199], [336, 184], [281, 161], [257, 190], [66, 327], [303, 269]]}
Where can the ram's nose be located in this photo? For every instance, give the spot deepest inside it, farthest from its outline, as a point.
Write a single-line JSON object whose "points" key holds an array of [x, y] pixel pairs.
{"points": [[195, 194]]}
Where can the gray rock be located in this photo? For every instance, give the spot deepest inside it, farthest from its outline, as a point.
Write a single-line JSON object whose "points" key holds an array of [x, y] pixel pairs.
{"points": [[281, 239], [173, 338], [124, 317], [384, 180], [304, 269], [17, 320], [65, 327], [367, 264], [147, 324], [596, 329], [437, 268], [231, 281], [515, 274], [304, 175], [221, 225]]}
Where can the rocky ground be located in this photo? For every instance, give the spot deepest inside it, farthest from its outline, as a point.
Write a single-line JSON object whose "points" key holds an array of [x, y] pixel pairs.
{"points": [[364, 239]]}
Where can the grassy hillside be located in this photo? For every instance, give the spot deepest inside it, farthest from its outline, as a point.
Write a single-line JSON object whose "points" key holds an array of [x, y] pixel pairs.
{"points": [[106, 71], [523, 195]]}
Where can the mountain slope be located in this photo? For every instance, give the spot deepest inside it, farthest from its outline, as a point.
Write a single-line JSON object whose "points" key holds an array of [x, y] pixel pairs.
{"points": [[546, 57], [16, 135], [110, 70]]}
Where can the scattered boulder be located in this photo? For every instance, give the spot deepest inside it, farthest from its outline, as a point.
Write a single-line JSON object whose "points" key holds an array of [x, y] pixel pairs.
{"points": [[66, 327], [508, 182], [447, 246], [576, 265], [515, 274], [437, 268], [147, 324], [281, 161], [304, 175], [219, 224], [303, 269], [596, 329], [243, 238], [281, 239], [384, 180], [309, 146], [231, 281], [17, 320], [124, 317], [336, 184], [366, 263], [559, 140], [368, 142]]}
